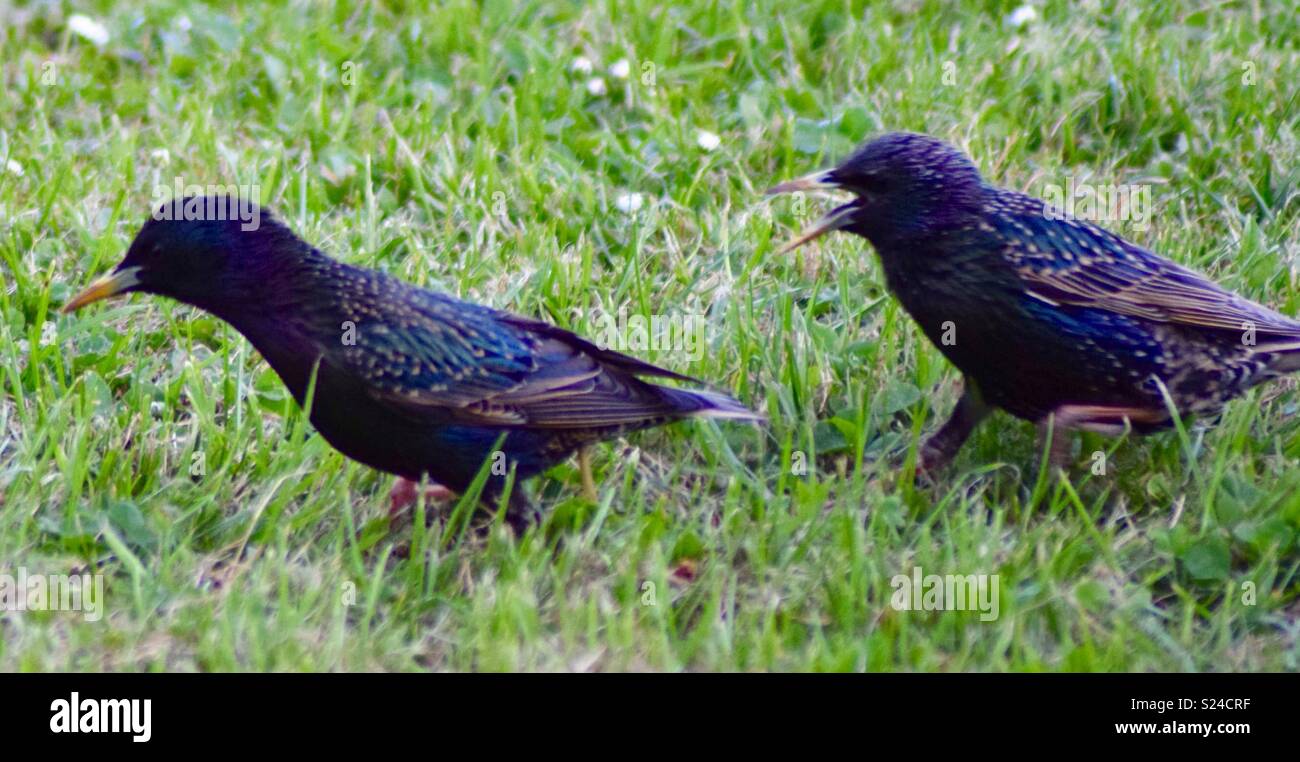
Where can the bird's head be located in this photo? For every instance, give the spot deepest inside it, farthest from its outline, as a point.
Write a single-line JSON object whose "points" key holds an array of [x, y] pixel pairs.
{"points": [[904, 185], [214, 252]]}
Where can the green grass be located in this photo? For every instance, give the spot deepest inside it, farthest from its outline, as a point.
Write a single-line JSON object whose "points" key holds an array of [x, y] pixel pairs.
{"points": [[467, 156]]}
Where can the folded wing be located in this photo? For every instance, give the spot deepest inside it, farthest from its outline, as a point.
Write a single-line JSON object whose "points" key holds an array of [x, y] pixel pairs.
{"points": [[429, 354], [1077, 263]]}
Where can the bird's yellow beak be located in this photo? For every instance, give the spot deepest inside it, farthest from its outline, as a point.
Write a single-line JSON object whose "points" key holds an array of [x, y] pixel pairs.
{"points": [[834, 220], [817, 181], [108, 285]]}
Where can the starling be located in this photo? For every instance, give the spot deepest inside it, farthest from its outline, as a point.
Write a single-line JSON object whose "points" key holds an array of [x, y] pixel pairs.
{"points": [[1050, 318], [408, 381]]}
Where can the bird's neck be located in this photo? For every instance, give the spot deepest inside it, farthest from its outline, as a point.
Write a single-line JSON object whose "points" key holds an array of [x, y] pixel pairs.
{"points": [[273, 309], [942, 273], [287, 349]]}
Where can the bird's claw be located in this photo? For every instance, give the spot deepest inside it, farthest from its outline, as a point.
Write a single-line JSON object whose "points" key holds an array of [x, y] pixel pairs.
{"points": [[929, 462]]}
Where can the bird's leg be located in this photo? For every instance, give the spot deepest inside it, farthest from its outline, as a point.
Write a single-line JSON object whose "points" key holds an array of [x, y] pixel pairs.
{"points": [[1111, 420], [939, 449], [584, 468], [1056, 440], [520, 512], [406, 492]]}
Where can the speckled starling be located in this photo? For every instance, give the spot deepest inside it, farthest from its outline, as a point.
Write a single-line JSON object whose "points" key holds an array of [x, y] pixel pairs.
{"points": [[407, 381], [1048, 317]]}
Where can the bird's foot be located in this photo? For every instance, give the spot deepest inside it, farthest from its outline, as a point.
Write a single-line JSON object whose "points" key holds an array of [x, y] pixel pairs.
{"points": [[1056, 441], [940, 448], [406, 493], [932, 459], [521, 513]]}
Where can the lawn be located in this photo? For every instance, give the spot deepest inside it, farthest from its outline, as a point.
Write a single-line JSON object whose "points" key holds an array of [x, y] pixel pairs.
{"points": [[572, 162]]}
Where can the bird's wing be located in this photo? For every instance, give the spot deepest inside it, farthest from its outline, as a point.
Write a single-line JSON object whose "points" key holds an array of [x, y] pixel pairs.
{"points": [[1067, 261], [431, 355]]}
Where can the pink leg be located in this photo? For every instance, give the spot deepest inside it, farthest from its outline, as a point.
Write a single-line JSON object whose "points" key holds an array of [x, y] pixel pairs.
{"points": [[1103, 419], [406, 492], [938, 450]]}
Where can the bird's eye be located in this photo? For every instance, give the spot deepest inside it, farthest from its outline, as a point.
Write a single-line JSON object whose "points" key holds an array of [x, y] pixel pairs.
{"points": [[874, 181], [868, 184]]}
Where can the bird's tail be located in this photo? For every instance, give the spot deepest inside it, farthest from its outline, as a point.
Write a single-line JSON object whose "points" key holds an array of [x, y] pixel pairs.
{"points": [[1283, 355], [697, 403]]}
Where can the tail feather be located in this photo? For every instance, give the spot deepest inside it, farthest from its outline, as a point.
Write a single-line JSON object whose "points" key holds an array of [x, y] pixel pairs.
{"points": [[1284, 358], [698, 403]]}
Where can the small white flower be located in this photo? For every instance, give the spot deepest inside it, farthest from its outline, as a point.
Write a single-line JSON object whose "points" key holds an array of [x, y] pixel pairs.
{"points": [[1022, 15], [596, 86], [581, 65], [14, 167], [184, 24], [707, 140], [621, 69], [89, 28], [629, 202]]}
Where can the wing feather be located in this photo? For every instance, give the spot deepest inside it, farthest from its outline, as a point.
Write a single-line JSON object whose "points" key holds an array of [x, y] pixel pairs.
{"points": [[427, 354], [1074, 262]]}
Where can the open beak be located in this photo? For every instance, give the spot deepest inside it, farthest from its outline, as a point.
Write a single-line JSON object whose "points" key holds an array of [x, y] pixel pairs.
{"points": [[108, 285], [817, 181], [835, 219]]}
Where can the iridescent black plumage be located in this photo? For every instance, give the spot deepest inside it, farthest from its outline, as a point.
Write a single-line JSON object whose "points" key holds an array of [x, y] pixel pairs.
{"points": [[1046, 316], [409, 381]]}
